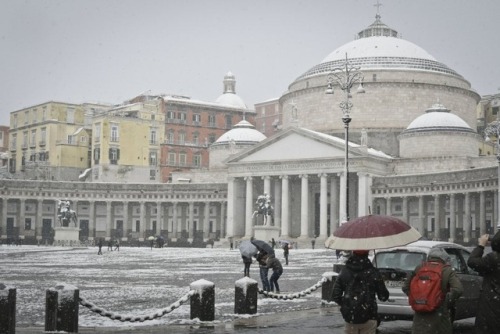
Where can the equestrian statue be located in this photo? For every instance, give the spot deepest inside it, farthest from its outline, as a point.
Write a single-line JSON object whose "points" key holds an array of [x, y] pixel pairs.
{"points": [[264, 208], [65, 213]]}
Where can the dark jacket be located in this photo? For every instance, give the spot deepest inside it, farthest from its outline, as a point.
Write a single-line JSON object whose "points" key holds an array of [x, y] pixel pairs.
{"points": [[361, 264], [488, 266], [274, 264], [439, 321]]}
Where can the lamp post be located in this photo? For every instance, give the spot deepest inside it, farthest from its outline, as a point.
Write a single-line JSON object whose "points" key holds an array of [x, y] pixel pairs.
{"points": [[493, 130], [345, 77]]}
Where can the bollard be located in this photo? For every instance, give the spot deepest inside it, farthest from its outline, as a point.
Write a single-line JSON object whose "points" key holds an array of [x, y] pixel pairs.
{"points": [[245, 296], [61, 308], [7, 309], [327, 287], [203, 301]]}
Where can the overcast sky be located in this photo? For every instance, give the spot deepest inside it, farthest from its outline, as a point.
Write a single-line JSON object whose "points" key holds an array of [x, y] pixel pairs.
{"points": [[110, 51]]}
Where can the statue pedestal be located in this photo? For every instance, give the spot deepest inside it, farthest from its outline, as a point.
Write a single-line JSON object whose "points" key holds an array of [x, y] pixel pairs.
{"points": [[66, 234], [266, 232]]}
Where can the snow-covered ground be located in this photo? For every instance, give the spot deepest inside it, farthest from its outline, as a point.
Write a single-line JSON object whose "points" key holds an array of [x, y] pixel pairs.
{"points": [[142, 281]]}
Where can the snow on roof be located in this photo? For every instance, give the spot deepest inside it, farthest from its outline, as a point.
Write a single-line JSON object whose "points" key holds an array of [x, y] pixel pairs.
{"points": [[438, 117], [231, 99], [243, 132]]}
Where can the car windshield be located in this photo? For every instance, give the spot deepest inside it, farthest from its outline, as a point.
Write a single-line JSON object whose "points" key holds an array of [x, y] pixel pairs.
{"points": [[402, 260]]}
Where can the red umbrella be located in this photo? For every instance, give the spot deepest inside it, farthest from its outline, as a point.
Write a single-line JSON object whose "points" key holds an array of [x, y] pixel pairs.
{"points": [[372, 232]]}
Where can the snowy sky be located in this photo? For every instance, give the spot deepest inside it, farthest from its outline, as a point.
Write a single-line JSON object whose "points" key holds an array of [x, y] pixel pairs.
{"points": [[110, 51]]}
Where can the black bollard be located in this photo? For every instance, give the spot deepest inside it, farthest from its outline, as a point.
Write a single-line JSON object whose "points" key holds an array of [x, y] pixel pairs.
{"points": [[7, 309], [203, 301], [245, 296], [327, 287], [61, 309]]}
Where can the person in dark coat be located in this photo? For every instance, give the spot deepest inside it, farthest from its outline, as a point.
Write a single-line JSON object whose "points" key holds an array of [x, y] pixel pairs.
{"points": [[99, 244], [273, 263], [264, 270], [439, 321], [285, 253], [356, 264], [488, 266], [247, 261]]}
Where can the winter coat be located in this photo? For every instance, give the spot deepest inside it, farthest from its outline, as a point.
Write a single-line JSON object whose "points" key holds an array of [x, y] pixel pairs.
{"points": [[261, 258], [274, 264], [360, 264], [439, 321], [246, 259], [488, 307]]}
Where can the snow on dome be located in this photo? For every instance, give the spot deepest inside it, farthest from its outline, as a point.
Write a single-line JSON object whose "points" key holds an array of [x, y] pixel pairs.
{"points": [[438, 118], [243, 132], [231, 100]]}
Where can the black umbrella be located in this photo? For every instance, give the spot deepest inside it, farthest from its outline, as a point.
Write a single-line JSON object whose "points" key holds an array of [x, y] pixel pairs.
{"points": [[263, 246]]}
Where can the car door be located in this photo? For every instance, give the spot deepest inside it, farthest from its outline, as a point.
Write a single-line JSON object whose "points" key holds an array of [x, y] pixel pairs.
{"points": [[465, 306]]}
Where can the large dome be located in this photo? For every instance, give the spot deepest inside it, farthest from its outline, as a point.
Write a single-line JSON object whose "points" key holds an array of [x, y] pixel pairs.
{"points": [[378, 47]]}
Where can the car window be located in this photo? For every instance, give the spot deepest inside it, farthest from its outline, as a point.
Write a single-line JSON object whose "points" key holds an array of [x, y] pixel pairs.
{"points": [[399, 260], [465, 256], [457, 261]]}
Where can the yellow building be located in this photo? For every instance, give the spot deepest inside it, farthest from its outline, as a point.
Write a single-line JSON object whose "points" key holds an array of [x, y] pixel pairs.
{"points": [[126, 143], [50, 141]]}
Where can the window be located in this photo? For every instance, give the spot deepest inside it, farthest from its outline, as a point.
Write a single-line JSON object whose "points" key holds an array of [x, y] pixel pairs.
{"points": [[14, 121], [97, 132], [196, 138], [25, 139], [211, 120], [197, 160], [114, 155], [170, 115], [26, 117], [34, 117], [182, 138], [152, 136], [229, 121], [44, 113], [43, 135], [196, 119], [27, 224], [97, 155], [211, 138], [70, 115], [494, 110], [152, 158], [152, 174], [171, 158], [71, 140], [13, 141], [170, 137], [114, 133], [33, 138], [182, 159]]}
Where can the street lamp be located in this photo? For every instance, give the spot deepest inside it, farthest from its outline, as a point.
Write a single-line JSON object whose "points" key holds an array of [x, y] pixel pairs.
{"points": [[345, 77], [493, 130]]}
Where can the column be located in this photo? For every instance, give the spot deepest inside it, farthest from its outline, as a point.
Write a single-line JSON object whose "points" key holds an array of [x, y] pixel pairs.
{"points": [[206, 221], [496, 220], [230, 207], [267, 184], [277, 204], [249, 207], [285, 207], [3, 223], [342, 199], [191, 220], [334, 203], [39, 219], [304, 206], [91, 220], [482, 213], [57, 222], [109, 220], [158, 217], [364, 194], [388, 206], [222, 220], [405, 210], [437, 214], [323, 207], [127, 226], [467, 218], [174, 220], [422, 226], [22, 217], [453, 223]]}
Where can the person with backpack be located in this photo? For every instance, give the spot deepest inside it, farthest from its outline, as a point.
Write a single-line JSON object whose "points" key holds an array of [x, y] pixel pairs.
{"points": [[432, 290], [355, 290], [488, 266]]}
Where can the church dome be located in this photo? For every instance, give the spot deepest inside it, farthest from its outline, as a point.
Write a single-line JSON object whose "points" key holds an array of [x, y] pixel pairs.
{"points": [[229, 97], [241, 133], [438, 118], [378, 47]]}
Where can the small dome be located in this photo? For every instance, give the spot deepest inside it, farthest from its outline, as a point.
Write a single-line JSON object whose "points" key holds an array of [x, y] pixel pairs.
{"points": [[438, 118], [241, 133], [229, 97]]}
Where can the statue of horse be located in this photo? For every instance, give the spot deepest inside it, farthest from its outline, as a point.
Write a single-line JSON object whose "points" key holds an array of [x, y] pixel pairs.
{"points": [[264, 208]]}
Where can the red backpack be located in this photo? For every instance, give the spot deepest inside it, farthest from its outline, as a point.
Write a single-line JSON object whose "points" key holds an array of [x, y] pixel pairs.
{"points": [[425, 293]]}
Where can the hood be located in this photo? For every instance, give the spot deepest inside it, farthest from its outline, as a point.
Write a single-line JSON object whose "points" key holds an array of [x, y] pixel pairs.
{"points": [[358, 263], [438, 254], [495, 242]]}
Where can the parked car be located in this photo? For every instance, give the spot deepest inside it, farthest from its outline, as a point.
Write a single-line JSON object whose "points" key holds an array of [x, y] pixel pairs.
{"points": [[396, 264]]}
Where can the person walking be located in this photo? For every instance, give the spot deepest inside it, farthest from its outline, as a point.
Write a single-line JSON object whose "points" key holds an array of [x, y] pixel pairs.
{"points": [[273, 263], [117, 245], [273, 243], [285, 253], [110, 245], [264, 270], [99, 244], [313, 242], [359, 281], [439, 320], [247, 261], [488, 266]]}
